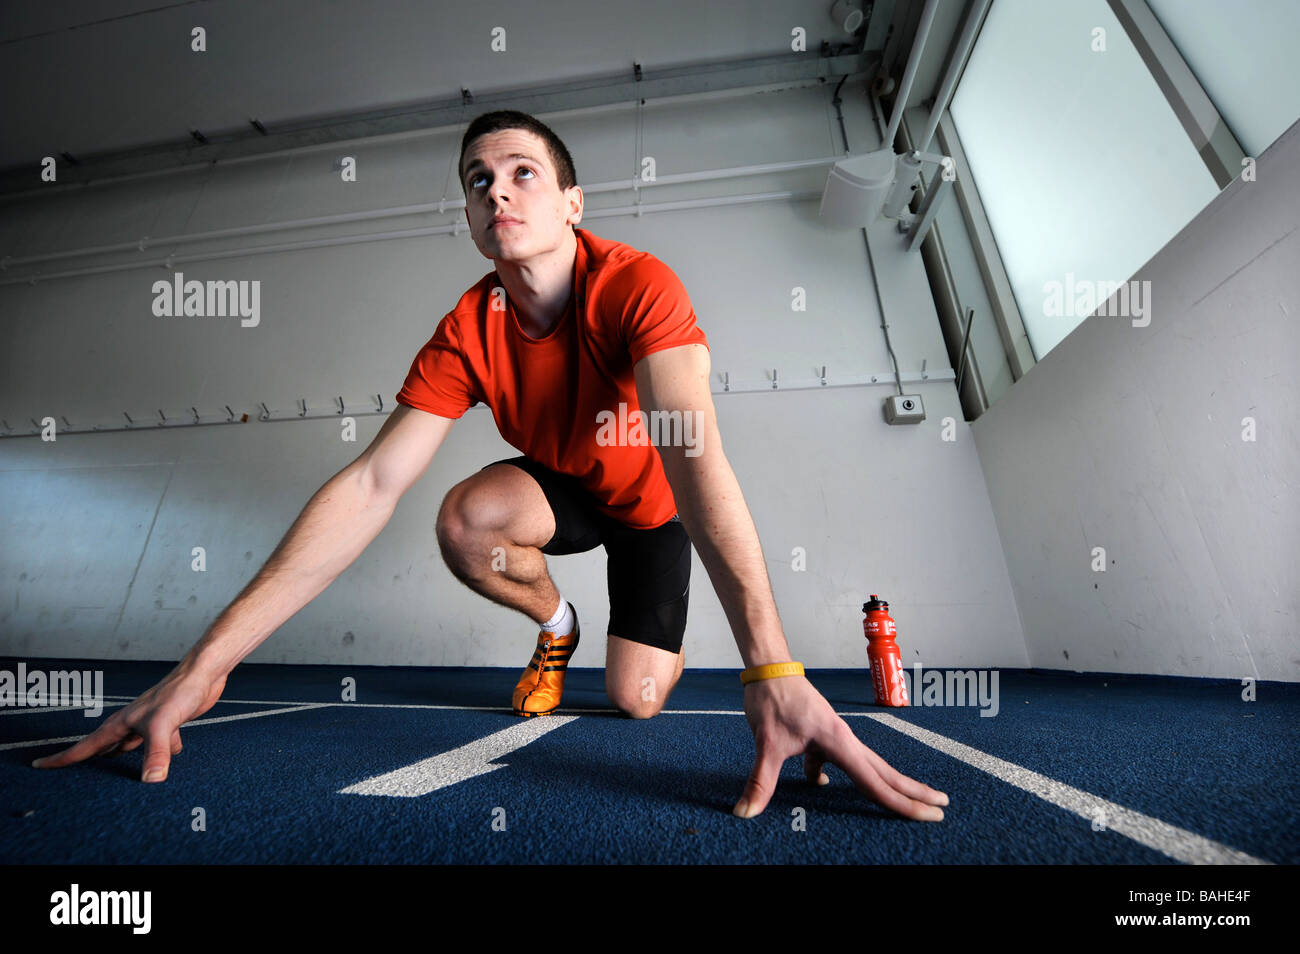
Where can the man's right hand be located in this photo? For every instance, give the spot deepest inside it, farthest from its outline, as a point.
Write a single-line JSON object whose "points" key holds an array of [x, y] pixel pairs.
{"points": [[156, 717]]}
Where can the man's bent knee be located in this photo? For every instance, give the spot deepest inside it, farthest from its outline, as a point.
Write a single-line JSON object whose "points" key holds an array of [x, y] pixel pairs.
{"points": [[462, 542], [636, 707], [497, 505], [641, 700], [483, 512]]}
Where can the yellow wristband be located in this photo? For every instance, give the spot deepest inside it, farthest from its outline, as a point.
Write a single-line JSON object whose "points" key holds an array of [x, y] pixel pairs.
{"points": [[771, 671]]}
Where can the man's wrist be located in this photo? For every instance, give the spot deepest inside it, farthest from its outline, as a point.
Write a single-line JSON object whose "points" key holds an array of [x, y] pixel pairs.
{"points": [[766, 652], [204, 661], [771, 671]]}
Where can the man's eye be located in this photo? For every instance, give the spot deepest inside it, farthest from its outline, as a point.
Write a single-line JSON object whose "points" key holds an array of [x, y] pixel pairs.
{"points": [[473, 183]]}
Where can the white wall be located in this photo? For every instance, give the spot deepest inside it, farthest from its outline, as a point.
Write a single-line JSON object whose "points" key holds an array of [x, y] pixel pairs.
{"points": [[98, 529], [1131, 438]]}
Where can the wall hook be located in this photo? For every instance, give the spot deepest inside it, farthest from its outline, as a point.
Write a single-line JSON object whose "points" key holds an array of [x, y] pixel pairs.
{"points": [[923, 374], [128, 418], [163, 416], [823, 375], [726, 380], [66, 422], [230, 412], [265, 415], [340, 400], [380, 399], [303, 402], [196, 414], [774, 378]]}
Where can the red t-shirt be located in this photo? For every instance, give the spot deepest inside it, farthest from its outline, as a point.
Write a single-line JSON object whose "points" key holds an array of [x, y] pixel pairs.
{"points": [[548, 394]]}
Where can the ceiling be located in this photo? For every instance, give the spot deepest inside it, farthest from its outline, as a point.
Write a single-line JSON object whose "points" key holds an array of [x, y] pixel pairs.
{"points": [[92, 77]]}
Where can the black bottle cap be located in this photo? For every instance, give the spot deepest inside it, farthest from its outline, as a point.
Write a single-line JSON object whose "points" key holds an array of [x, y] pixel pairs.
{"points": [[875, 604]]}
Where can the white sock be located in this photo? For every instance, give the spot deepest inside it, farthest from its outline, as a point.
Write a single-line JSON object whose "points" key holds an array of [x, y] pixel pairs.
{"points": [[561, 624]]}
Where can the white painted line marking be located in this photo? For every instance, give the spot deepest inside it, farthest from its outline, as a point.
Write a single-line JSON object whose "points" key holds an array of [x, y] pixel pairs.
{"points": [[458, 765], [1178, 843], [414, 705], [28, 710], [229, 718], [382, 705]]}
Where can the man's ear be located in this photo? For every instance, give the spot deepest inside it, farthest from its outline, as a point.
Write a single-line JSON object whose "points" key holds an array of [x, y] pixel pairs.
{"points": [[575, 204]]}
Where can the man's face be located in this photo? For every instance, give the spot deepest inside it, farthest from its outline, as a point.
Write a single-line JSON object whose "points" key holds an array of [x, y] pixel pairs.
{"points": [[509, 173]]}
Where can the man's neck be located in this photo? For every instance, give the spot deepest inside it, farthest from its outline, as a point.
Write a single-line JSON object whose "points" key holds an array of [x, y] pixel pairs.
{"points": [[540, 289]]}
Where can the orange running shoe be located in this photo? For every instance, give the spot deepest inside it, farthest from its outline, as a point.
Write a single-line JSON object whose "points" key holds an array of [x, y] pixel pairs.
{"points": [[542, 684]]}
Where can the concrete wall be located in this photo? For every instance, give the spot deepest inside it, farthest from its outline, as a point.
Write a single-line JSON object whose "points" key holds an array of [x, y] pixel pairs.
{"points": [[98, 529], [1132, 439]]}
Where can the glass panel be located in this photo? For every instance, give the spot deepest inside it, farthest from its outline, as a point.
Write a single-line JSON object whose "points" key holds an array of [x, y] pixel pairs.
{"points": [[1082, 166], [1243, 54]]}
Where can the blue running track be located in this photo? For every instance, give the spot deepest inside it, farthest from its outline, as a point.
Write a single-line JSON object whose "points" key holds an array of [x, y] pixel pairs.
{"points": [[1073, 769]]}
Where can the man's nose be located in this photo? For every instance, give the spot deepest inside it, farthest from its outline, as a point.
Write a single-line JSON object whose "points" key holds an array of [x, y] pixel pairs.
{"points": [[498, 195]]}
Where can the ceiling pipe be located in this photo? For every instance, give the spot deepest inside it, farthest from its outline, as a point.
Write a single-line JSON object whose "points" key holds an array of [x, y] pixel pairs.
{"points": [[453, 229], [959, 55], [909, 74], [443, 206], [706, 79]]}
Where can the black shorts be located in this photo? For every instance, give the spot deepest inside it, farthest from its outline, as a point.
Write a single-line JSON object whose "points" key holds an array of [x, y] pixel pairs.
{"points": [[648, 571]]}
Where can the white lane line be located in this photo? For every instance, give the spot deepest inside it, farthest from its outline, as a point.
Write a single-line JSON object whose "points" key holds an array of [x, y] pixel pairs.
{"points": [[28, 710], [469, 761], [229, 718], [1178, 843], [414, 705], [388, 705]]}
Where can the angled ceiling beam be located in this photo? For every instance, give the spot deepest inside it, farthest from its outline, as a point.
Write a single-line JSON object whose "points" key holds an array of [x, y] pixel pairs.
{"points": [[263, 139]]}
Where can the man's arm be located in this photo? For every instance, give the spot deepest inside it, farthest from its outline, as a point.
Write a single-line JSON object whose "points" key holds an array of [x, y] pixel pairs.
{"points": [[335, 526], [710, 503], [788, 716]]}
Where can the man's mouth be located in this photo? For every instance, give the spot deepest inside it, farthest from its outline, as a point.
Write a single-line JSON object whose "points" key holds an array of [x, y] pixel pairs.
{"points": [[505, 221]]}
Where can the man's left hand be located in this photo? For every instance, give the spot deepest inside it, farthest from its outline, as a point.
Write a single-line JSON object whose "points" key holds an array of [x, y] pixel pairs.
{"points": [[789, 717]]}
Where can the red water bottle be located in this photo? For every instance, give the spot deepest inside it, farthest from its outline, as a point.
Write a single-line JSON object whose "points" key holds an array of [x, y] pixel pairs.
{"points": [[886, 661]]}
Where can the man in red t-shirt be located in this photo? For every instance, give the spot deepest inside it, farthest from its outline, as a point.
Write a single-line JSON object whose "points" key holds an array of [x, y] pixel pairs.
{"points": [[588, 354], [566, 397]]}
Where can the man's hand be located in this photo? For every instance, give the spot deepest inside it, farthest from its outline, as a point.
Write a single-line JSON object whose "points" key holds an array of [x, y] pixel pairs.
{"points": [[789, 717], [155, 717]]}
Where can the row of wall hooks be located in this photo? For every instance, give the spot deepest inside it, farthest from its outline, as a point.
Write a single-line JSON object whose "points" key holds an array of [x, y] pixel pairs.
{"points": [[339, 408], [376, 405]]}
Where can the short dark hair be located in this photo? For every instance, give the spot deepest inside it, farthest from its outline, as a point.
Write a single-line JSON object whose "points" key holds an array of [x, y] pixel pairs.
{"points": [[513, 119]]}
